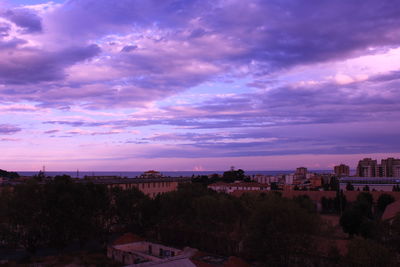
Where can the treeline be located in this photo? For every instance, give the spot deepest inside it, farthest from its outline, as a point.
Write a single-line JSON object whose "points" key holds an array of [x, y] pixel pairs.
{"points": [[263, 228], [228, 177], [9, 175]]}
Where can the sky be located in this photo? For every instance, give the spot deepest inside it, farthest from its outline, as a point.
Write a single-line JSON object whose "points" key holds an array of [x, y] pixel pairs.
{"points": [[133, 85]]}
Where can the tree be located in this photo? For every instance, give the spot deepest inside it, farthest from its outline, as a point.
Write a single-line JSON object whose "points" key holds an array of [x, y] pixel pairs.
{"points": [[365, 197], [364, 252], [349, 187], [366, 188], [340, 201], [279, 231], [25, 216], [334, 184], [357, 219], [383, 201], [10, 175], [306, 203], [129, 209], [274, 186], [351, 220], [233, 175]]}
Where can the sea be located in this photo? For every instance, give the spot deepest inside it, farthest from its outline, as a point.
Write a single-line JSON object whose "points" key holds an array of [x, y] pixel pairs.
{"points": [[82, 174]]}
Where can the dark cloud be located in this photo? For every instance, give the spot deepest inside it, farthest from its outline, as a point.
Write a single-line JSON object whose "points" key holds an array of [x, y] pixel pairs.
{"points": [[51, 131], [128, 48], [4, 29], [280, 34], [372, 100], [25, 19], [27, 66], [337, 138], [9, 129]]}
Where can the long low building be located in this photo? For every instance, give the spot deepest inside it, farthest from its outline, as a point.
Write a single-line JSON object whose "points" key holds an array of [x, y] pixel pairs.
{"points": [[373, 183], [231, 187], [149, 186]]}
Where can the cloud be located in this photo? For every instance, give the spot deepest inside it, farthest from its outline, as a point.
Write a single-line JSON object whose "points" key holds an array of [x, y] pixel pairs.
{"points": [[146, 51], [25, 19], [373, 99], [32, 66], [9, 129]]}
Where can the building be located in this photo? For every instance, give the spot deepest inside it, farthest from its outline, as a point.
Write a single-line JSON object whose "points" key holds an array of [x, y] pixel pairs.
{"points": [[373, 183], [301, 171], [367, 168], [342, 170], [143, 253], [264, 179], [101, 177], [316, 181], [289, 178], [390, 167], [149, 186], [151, 174], [232, 187], [132, 250]]}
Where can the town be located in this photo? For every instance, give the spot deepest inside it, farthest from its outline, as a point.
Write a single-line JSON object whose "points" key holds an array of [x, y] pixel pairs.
{"points": [[333, 219]]}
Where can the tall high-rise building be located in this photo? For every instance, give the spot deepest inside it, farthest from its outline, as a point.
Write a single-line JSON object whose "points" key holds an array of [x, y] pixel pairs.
{"points": [[396, 170], [389, 167], [367, 168], [301, 173], [342, 170]]}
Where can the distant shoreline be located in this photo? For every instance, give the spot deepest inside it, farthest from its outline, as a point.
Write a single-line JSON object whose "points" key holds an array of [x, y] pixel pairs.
{"points": [[134, 174]]}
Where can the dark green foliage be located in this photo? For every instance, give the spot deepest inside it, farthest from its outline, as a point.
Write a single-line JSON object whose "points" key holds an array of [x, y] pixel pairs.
{"points": [[383, 201], [365, 197], [10, 175], [233, 175], [195, 216], [334, 184], [130, 207], [364, 252], [26, 216], [366, 188], [266, 227], [279, 230], [349, 187], [274, 186], [56, 213], [392, 233], [306, 203], [357, 218]]}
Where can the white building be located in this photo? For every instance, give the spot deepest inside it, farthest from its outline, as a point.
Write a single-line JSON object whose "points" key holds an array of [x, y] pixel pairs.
{"points": [[232, 187], [144, 253]]}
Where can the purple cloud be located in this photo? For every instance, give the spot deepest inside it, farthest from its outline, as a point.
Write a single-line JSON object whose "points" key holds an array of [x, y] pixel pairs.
{"points": [[9, 129], [24, 18], [27, 66]]}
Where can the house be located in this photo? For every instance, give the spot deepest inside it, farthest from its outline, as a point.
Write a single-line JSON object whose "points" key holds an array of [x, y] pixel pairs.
{"points": [[240, 186]]}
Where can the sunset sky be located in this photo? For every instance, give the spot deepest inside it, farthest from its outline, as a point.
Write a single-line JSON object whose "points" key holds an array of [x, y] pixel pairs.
{"points": [[172, 85]]}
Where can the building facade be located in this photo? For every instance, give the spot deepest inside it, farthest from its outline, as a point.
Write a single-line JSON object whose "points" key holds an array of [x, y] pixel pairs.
{"points": [[149, 186], [342, 170], [389, 167], [232, 187]]}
